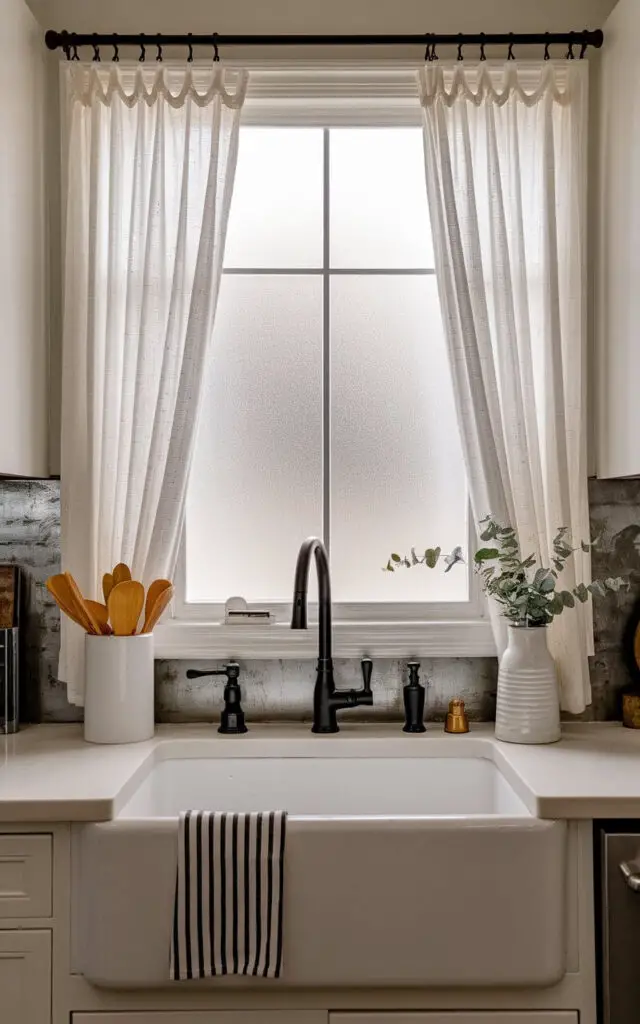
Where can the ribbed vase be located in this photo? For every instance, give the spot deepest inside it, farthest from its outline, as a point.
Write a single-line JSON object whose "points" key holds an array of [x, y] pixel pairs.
{"points": [[528, 707]]}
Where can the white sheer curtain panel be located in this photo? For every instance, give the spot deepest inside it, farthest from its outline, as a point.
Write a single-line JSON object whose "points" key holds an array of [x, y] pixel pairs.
{"points": [[151, 163], [505, 152]]}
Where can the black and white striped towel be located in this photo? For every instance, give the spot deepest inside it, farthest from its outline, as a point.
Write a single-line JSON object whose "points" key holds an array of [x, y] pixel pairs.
{"points": [[229, 895]]}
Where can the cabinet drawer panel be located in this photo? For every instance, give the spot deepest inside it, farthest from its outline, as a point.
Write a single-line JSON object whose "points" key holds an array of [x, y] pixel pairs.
{"points": [[205, 1017], [460, 1017], [25, 876], [25, 977]]}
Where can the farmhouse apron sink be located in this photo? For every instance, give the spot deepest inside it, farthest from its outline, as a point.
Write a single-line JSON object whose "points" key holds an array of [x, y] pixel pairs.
{"points": [[404, 867]]}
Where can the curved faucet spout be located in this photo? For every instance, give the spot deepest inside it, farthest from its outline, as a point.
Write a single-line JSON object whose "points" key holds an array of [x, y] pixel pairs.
{"points": [[326, 699], [313, 546]]}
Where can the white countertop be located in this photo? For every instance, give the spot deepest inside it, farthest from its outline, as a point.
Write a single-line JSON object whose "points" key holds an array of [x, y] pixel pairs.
{"points": [[48, 773]]}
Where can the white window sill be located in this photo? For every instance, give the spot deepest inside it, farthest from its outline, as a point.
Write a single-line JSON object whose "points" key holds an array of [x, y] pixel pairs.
{"points": [[177, 639]]}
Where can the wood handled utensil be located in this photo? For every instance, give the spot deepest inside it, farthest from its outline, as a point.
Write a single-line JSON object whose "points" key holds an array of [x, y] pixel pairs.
{"points": [[121, 573], [100, 614], [59, 588], [78, 602], [155, 589], [159, 605], [125, 604], [107, 586]]}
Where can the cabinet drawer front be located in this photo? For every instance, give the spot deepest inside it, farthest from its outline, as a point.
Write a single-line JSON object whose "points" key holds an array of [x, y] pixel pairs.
{"points": [[460, 1017], [205, 1017], [25, 977], [25, 876]]}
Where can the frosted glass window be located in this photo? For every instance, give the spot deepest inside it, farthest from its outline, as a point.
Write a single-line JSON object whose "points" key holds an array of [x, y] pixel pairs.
{"points": [[329, 406], [256, 486], [379, 211], [276, 210], [397, 475]]}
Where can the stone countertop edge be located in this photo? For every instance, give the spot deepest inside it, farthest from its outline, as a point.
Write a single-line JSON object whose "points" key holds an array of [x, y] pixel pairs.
{"points": [[49, 774]]}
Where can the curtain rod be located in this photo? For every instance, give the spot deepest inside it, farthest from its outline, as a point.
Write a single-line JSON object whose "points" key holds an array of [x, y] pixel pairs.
{"points": [[69, 42]]}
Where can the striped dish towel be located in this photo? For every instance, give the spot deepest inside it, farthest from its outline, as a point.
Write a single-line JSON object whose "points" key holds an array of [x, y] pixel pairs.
{"points": [[229, 895]]}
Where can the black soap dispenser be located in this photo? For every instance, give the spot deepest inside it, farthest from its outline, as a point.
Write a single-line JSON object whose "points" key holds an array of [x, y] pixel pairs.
{"points": [[414, 696]]}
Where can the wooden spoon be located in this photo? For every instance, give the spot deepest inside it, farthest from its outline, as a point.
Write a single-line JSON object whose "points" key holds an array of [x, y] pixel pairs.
{"points": [[154, 590], [125, 604], [121, 573], [59, 588], [100, 614], [78, 601], [107, 586], [160, 603]]}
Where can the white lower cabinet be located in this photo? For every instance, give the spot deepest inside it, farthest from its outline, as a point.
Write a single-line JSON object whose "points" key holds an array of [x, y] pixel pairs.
{"points": [[25, 977], [460, 1017]]}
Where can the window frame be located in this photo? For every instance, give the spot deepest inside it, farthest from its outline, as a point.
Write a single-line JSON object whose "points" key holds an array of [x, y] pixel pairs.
{"points": [[325, 97]]}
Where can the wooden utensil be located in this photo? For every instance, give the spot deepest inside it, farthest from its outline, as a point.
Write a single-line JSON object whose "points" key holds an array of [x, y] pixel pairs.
{"points": [[154, 590], [78, 601], [59, 588], [159, 605], [121, 573], [107, 586], [125, 603], [100, 614]]}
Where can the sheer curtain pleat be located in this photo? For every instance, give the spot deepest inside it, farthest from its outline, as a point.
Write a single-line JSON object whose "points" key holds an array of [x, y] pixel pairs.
{"points": [[151, 164], [505, 166]]}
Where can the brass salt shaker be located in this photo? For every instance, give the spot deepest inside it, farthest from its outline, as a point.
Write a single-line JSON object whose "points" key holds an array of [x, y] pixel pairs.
{"points": [[457, 720]]}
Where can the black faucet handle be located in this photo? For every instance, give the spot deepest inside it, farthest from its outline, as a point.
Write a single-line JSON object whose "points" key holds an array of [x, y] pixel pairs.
{"points": [[367, 668], [231, 671]]}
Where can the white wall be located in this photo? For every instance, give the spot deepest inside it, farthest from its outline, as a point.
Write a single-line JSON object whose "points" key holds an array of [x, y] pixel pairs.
{"points": [[618, 247], [321, 15], [23, 344]]}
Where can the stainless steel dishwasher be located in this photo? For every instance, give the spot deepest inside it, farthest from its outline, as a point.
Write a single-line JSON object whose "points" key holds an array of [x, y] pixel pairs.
{"points": [[619, 924]]}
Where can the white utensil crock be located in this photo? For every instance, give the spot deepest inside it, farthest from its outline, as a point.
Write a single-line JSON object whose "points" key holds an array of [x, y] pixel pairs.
{"points": [[528, 707], [118, 699]]}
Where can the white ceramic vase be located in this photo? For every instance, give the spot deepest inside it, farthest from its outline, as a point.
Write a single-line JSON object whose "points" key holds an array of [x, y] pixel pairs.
{"points": [[118, 698], [528, 706]]}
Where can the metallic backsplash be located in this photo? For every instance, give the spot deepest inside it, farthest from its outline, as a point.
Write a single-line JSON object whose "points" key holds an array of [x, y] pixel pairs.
{"points": [[30, 535]]}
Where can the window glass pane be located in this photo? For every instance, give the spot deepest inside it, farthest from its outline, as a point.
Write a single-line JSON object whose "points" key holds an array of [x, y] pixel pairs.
{"points": [[276, 210], [396, 472], [256, 487], [379, 211]]}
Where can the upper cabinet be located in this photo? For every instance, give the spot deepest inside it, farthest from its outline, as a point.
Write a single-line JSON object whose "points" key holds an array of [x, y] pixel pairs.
{"points": [[617, 246], [23, 321]]}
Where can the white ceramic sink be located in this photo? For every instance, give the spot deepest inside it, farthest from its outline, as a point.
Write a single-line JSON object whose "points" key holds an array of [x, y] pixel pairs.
{"points": [[405, 865], [327, 786]]}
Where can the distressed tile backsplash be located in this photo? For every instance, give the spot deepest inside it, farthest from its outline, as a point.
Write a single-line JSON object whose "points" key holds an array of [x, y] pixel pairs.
{"points": [[30, 536]]}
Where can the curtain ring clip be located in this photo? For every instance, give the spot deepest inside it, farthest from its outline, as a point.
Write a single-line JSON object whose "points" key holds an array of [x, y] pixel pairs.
{"points": [[583, 48], [159, 48], [116, 51], [214, 43], [510, 53], [570, 54], [482, 45], [546, 47], [190, 46], [96, 48], [74, 48], [143, 53], [460, 45]]}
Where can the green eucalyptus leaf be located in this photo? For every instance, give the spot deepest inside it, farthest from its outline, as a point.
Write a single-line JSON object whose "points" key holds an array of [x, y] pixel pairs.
{"points": [[567, 598], [396, 558], [431, 557], [486, 554]]}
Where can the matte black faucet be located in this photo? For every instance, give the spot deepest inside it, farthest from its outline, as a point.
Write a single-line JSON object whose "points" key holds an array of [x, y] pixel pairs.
{"points": [[326, 699]]}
